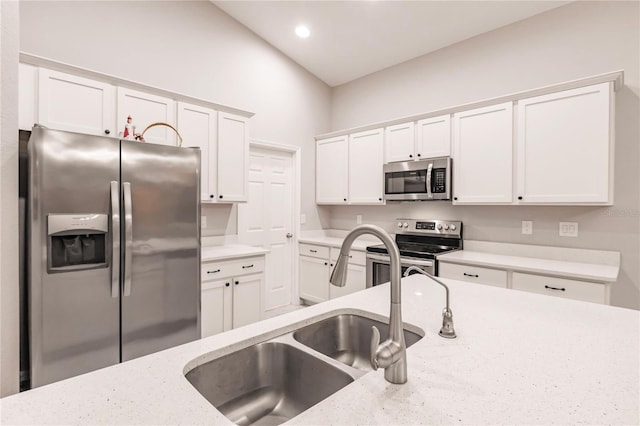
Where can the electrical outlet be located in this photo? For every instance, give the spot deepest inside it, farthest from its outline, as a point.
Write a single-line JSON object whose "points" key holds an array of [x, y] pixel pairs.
{"points": [[358, 219], [203, 222], [527, 227], [568, 229], [303, 219]]}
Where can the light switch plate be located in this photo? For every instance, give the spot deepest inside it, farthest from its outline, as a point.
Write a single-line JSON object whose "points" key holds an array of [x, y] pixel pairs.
{"points": [[303, 219], [358, 219], [527, 227], [568, 229], [203, 222]]}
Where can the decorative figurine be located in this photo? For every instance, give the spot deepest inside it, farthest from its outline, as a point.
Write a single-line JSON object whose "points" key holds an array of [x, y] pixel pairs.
{"points": [[129, 129]]}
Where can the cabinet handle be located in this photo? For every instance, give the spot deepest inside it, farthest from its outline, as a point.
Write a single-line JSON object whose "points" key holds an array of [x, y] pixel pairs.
{"points": [[313, 251], [519, 198], [247, 267], [212, 196], [469, 275], [555, 288], [213, 272], [107, 131], [226, 284], [237, 282]]}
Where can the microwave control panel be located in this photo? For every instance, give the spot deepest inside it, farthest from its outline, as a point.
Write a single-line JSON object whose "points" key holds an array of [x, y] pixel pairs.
{"points": [[439, 183]]}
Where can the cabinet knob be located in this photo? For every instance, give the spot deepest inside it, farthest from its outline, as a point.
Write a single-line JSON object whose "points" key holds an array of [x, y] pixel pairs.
{"points": [[219, 196], [212, 196], [226, 284], [345, 199], [519, 198], [237, 282], [455, 198], [325, 263], [410, 155], [107, 131], [419, 155], [380, 199]]}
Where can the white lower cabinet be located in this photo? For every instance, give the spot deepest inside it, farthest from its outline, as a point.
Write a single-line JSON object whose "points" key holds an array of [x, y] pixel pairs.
{"points": [[561, 287], [316, 264], [474, 274], [231, 294]]}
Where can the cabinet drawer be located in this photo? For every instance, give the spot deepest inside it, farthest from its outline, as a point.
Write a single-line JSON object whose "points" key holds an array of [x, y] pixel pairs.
{"points": [[321, 252], [473, 274], [560, 287], [231, 268], [355, 257]]}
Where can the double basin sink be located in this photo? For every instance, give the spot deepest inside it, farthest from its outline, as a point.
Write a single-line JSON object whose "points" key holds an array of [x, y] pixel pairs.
{"points": [[274, 381]]}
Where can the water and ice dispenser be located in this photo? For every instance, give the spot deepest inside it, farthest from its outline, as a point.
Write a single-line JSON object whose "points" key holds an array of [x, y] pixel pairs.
{"points": [[77, 241]]}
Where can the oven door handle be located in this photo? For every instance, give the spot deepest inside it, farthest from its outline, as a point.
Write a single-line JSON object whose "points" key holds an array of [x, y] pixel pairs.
{"points": [[403, 261]]}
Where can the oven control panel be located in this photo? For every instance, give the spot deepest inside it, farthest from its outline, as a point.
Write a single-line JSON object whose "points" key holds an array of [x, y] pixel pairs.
{"points": [[450, 228]]}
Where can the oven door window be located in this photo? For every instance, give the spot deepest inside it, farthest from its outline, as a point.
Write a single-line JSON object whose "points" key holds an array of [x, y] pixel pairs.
{"points": [[406, 182]]}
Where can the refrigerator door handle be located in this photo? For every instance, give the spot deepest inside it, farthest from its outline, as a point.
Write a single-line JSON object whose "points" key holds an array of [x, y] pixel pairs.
{"points": [[128, 237], [115, 237]]}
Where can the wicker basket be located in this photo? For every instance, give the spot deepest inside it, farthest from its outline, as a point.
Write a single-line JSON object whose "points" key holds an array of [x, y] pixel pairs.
{"points": [[161, 124]]}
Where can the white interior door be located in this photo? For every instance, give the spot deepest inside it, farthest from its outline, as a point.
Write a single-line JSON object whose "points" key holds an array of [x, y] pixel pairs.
{"points": [[267, 218]]}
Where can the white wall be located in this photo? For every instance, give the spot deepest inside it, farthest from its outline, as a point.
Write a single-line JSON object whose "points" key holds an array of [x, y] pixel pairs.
{"points": [[573, 41], [9, 332], [190, 47]]}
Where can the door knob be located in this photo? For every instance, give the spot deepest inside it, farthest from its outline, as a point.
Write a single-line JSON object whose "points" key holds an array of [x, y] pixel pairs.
{"points": [[289, 235]]}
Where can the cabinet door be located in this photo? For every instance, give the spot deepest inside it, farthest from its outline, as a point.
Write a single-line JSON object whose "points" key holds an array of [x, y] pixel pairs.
{"points": [[314, 279], [433, 137], [332, 170], [247, 299], [197, 126], [233, 157], [482, 155], [565, 147], [76, 104], [399, 142], [146, 109], [27, 96], [561, 287], [366, 180], [356, 281], [213, 307]]}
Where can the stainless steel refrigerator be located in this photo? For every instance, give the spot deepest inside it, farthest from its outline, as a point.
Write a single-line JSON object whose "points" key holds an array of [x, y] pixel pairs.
{"points": [[113, 251]]}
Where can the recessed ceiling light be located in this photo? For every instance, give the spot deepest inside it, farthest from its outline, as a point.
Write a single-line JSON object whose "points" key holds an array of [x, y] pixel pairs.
{"points": [[302, 31]]}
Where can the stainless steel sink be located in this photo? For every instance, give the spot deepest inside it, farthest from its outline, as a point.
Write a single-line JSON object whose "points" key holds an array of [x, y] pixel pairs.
{"points": [[347, 338], [266, 384]]}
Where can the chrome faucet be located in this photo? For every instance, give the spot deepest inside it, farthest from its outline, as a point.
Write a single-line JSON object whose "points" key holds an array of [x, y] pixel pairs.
{"points": [[392, 353], [447, 316]]}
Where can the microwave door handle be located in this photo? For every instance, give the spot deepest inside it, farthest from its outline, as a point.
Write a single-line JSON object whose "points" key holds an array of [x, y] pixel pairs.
{"points": [[429, 170]]}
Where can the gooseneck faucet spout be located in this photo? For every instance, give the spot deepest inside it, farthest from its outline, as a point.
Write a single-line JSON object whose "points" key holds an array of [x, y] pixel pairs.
{"points": [[447, 329], [392, 353]]}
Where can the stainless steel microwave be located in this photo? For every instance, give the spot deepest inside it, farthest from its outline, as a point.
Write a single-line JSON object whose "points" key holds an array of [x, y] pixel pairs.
{"points": [[422, 180]]}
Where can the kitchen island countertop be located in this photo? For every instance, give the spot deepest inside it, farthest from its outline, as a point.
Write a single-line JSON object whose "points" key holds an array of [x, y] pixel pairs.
{"points": [[519, 358]]}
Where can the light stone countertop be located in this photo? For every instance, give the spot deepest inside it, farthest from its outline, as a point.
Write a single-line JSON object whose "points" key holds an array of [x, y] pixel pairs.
{"points": [[334, 238], [519, 358], [229, 251]]}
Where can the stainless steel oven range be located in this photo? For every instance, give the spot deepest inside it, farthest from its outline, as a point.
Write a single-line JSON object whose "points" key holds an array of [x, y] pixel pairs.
{"points": [[420, 242]]}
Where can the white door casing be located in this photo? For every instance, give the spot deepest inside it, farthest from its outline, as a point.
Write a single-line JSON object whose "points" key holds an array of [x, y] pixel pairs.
{"points": [[267, 218]]}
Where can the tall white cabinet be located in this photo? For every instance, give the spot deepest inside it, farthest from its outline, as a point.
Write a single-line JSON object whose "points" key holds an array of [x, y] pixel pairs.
{"points": [[565, 147], [482, 155], [233, 157]]}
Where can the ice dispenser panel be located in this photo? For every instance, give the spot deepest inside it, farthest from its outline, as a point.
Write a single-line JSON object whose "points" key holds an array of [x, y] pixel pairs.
{"points": [[77, 242]]}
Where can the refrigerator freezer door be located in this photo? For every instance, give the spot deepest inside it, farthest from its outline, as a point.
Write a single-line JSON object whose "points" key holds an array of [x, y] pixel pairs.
{"points": [[74, 321], [161, 290]]}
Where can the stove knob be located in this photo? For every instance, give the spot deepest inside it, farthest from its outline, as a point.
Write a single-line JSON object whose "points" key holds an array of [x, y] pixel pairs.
{"points": [[446, 227], [439, 227], [399, 224], [406, 225], [453, 227]]}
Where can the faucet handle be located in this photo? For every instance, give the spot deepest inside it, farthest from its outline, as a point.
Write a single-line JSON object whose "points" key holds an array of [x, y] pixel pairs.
{"points": [[375, 342]]}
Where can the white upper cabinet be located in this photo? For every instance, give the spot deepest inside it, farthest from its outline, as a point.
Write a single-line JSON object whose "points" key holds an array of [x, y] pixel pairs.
{"points": [[146, 109], [400, 142], [75, 104], [565, 147], [366, 150], [233, 157], [332, 166], [198, 127], [433, 137], [482, 155]]}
